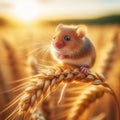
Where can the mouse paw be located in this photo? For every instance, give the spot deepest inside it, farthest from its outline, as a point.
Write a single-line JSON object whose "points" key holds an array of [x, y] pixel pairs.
{"points": [[84, 69]]}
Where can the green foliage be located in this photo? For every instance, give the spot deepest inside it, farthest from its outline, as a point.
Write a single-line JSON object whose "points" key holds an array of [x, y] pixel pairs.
{"points": [[114, 19]]}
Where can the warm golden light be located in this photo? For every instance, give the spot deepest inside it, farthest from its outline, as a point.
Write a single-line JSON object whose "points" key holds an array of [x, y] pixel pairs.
{"points": [[26, 10]]}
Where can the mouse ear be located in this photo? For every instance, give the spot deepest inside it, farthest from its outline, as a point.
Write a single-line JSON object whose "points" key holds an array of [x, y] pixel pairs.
{"points": [[81, 30], [59, 26]]}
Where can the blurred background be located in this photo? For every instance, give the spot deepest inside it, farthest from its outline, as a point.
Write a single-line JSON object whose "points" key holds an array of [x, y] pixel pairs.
{"points": [[27, 26], [31, 16], [30, 10]]}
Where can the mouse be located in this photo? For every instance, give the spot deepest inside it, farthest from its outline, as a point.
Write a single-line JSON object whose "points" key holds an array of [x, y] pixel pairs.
{"points": [[71, 46]]}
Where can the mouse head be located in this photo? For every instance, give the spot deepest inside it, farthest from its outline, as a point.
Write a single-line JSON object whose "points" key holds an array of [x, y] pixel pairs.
{"points": [[81, 30], [68, 39]]}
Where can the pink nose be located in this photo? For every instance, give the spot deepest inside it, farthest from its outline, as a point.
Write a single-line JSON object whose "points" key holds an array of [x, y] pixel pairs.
{"points": [[59, 45]]}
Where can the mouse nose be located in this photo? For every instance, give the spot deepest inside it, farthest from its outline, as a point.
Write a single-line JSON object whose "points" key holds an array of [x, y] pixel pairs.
{"points": [[59, 44]]}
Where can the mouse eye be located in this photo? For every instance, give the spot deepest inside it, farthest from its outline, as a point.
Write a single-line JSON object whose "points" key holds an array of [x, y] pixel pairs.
{"points": [[67, 38]]}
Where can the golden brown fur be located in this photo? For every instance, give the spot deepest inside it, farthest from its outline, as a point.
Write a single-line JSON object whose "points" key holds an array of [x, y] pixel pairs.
{"points": [[77, 51]]}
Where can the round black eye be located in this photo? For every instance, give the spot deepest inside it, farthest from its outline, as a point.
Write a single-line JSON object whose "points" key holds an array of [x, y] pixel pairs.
{"points": [[67, 38]]}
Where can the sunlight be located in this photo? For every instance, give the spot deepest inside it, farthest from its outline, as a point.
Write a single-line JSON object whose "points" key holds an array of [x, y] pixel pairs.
{"points": [[26, 11]]}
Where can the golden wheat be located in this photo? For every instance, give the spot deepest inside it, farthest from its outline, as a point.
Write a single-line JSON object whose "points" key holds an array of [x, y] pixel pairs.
{"points": [[73, 102], [101, 116], [50, 81], [15, 60], [12, 67], [85, 99], [37, 115], [39, 86], [111, 55]]}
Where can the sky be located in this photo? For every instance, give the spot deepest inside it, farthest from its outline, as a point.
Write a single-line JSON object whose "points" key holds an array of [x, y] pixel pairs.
{"points": [[55, 9]]}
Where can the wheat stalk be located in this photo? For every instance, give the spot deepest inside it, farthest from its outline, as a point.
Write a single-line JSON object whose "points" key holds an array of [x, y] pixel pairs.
{"points": [[111, 55], [45, 80], [35, 93], [15, 61], [85, 99], [12, 68], [108, 64], [77, 101]]}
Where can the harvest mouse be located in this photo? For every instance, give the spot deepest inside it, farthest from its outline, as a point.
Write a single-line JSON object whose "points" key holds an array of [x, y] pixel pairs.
{"points": [[71, 46]]}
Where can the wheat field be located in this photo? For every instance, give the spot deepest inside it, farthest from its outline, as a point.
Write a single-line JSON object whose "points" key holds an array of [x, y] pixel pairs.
{"points": [[31, 81]]}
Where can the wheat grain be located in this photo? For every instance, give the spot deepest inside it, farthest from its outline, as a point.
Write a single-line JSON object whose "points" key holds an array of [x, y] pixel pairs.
{"points": [[47, 79], [52, 81], [39, 86], [37, 115], [88, 96], [101, 116], [111, 55], [12, 67], [15, 61]]}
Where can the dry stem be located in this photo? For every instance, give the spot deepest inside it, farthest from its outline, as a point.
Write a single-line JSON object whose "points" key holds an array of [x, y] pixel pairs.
{"points": [[86, 98], [108, 62]]}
